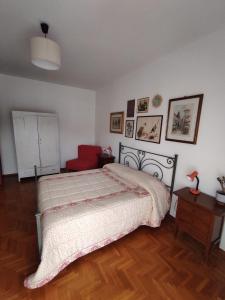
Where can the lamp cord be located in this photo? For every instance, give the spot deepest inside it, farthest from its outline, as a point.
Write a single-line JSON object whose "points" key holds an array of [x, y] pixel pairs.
{"points": [[197, 183]]}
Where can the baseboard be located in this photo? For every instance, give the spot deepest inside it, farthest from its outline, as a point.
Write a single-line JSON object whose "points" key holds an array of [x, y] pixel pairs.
{"points": [[10, 175], [63, 170], [221, 251]]}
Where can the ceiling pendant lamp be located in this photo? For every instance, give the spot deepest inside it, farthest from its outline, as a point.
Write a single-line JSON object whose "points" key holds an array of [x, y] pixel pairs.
{"points": [[45, 53]]}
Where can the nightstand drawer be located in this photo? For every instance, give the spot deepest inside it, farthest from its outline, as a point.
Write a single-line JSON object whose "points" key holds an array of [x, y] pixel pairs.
{"points": [[184, 217], [202, 215], [185, 212], [196, 229], [184, 226], [194, 220], [200, 231], [186, 206]]}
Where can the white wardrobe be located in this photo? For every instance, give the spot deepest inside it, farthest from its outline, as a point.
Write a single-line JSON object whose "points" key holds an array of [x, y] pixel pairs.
{"points": [[37, 143]]}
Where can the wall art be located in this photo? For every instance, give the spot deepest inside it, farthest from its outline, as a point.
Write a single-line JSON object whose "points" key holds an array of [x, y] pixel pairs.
{"points": [[157, 100], [117, 122], [183, 119], [142, 105], [149, 128], [129, 128], [130, 108]]}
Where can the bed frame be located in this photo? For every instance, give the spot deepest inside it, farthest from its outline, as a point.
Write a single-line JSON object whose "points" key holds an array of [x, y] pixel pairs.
{"points": [[130, 157], [159, 165], [38, 214]]}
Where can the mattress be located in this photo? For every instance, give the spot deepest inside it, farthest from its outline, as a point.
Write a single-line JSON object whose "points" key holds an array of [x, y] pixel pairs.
{"points": [[84, 211]]}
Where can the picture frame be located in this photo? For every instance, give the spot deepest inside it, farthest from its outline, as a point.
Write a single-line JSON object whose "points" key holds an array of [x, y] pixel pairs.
{"points": [[183, 119], [142, 105], [117, 122], [149, 128], [130, 108], [129, 128]]}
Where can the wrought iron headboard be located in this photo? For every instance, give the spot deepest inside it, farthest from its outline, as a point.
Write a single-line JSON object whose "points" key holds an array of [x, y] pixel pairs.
{"points": [[142, 159]]}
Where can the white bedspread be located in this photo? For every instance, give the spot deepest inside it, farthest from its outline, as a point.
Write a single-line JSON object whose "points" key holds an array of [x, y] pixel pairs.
{"points": [[87, 210]]}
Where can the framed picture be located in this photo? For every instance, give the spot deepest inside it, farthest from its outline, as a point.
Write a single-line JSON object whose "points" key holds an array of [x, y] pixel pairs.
{"points": [[130, 108], [142, 105], [149, 128], [183, 119], [129, 128], [116, 122]]}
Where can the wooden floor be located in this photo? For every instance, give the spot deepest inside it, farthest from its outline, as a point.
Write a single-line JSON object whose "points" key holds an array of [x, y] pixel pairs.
{"points": [[146, 264]]}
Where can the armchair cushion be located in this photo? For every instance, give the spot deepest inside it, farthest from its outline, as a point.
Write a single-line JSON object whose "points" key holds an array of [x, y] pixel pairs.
{"points": [[87, 158], [88, 151], [80, 165]]}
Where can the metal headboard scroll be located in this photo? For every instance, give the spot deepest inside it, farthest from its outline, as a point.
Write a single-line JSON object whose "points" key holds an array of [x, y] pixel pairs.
{"points": [[142, 159]]}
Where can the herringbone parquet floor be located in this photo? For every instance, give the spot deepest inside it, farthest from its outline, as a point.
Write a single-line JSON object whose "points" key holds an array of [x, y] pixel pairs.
{"points": [[147, 264]]}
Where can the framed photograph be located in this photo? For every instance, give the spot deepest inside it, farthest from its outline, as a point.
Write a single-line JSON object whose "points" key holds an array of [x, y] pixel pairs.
{"points": [[148, 128], [183, 119], [129, 128], [116, 122], [130, 108], [142, 105]]}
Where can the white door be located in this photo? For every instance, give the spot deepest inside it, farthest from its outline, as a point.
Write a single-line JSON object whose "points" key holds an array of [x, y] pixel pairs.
{"points": [[48, 144], [26, 140]]}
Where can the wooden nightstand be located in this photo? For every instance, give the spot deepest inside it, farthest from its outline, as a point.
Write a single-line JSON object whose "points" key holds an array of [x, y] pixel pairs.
{"points": [[104, 159], [199, 216]]}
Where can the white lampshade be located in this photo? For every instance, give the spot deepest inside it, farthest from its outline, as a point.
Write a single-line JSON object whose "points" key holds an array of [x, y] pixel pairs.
{"points": [[45, 53]]}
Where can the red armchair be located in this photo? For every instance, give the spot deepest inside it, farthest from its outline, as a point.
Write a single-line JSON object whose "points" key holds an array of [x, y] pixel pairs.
{"points": [[87, 158]]}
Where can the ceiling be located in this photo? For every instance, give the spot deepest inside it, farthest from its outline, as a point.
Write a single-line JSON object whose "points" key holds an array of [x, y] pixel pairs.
{"points": [[101, 39]]}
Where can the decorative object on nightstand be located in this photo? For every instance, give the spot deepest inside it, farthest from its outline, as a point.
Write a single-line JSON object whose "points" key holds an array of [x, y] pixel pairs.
{"points": [[107, 150], [200, 217], [220, 195], [192, 177], [104, 159]]}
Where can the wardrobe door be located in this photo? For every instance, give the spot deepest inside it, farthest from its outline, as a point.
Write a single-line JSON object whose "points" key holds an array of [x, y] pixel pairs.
{"points": [[49, 144], [26, 140]]}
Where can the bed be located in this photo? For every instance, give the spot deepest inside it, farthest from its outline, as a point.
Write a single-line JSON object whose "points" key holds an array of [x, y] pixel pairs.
{"points": [[82, 211]]}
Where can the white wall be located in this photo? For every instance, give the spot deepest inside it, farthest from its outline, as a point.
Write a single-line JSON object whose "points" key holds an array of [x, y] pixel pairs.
{"points": [[75, 108], [197, 68]]}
